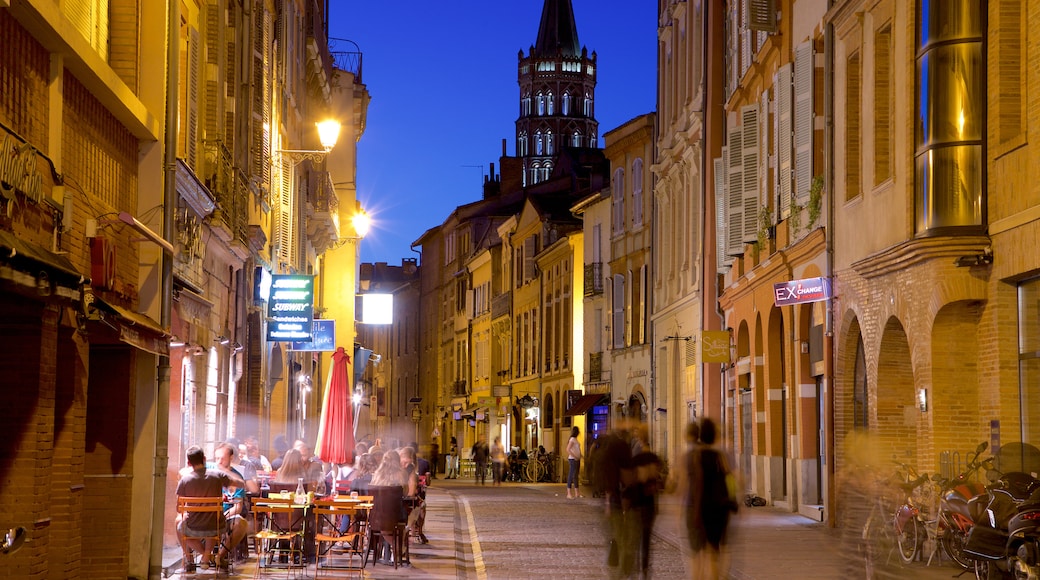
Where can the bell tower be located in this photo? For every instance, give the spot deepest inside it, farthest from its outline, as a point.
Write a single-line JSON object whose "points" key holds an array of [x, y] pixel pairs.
{"points": [[557, 81]]}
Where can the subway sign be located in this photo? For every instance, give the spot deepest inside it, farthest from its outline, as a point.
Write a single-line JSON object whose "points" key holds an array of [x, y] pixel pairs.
{"points": [[801, 291], [290, 308]]}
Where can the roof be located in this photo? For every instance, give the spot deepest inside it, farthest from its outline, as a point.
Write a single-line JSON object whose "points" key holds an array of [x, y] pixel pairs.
{"points": [[557, 31]]}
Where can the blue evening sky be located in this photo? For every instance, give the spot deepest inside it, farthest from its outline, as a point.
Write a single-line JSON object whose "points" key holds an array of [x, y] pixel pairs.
{"points": [[443, 82]]}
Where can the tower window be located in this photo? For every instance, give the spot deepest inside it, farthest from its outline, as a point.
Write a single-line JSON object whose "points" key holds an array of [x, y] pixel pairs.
{"points": [[566, 104], [538, 143], [549, 103], [548, 143], [541, 104], [588, 105], [576, 139]]}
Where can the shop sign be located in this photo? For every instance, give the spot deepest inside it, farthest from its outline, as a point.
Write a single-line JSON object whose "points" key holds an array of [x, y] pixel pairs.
{"points": [[18, 169], [802, 291], [323, 337], [290, 309]]}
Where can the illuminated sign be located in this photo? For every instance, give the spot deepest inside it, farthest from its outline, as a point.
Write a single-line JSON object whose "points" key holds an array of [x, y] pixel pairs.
{"points": [[802, 291], [377, 308], [290, 308], [323, 333]]}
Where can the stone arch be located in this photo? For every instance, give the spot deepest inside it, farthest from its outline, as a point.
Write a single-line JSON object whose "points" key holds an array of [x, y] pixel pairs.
{"points": [[850, 368], [895, 416], [953, 395]]}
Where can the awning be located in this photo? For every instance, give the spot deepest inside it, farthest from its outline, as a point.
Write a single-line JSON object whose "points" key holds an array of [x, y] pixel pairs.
{"points": [[586, 402], [32, 265], [134, 328]]}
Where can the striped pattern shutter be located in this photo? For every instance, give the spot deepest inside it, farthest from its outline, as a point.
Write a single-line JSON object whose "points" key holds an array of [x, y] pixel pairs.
{"points": [[735, 194], [722, 259], [804, 122], [784, 143], [750, 197]]}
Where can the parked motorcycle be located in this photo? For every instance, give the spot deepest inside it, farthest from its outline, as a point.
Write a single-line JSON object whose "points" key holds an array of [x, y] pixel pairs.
{"points": [[1005, 540], [955, 521]]}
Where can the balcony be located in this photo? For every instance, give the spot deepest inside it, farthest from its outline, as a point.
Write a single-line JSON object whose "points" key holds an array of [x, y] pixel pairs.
{"points": [[594, 279], [501, 304], [348, 60], [229, 192], [319, 59], [323, 221]]}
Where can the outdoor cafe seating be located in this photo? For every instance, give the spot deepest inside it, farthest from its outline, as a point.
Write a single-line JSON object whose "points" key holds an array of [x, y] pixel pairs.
{"points": [[337, 542], [387, 525]]}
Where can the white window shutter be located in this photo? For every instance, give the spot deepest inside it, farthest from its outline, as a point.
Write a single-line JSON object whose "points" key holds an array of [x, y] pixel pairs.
{"points": [[804, 71], [762, 15], [618, 322], [750, 197], [784, 144], [722, 259], [285, 214], [735, 194]]}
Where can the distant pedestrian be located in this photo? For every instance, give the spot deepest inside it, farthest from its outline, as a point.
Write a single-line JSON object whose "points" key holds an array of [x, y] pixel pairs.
{"points": [[574, 462], [707, 502], [479, 453], [498, 461], [451, 460], [435, 451]]}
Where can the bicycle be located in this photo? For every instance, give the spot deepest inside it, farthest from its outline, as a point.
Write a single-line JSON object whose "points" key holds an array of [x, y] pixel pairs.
{"points": [[912, 527]]}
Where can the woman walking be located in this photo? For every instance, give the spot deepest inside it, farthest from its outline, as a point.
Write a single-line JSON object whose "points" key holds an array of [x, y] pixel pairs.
{"points": [[451, 462], [574, 461]]}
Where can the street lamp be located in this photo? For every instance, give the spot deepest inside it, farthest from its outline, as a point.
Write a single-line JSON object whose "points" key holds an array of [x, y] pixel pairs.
{"points": [[328, 134]]}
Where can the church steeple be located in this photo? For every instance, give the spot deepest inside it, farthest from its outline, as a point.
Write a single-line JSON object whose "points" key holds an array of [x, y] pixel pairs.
{"points": [[557, 82], [557, 31]]}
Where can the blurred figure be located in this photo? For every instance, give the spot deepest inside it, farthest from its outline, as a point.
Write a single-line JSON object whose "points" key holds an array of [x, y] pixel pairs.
{"points": [[479, 453], [280, 447], [292, 468], [574, 463], [498, 461], [615, 472], [315, 471], [451, 460], [708, 504], [642, 496]]}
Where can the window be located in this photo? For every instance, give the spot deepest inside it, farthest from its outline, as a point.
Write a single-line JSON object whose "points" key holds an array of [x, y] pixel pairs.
{"points": [[549, 104], [617, 297], [576, 139], [549, 143], [884, 97], [852, 121], [637, 192], [617, 202], [949, 122], [566, 104], [541, 104], [525, 106], [587, 111], [521, 144], [538, 144]]}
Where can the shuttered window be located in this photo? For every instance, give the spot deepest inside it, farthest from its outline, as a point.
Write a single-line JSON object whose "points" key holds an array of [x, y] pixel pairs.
{"points": [[804, 120], [784, 139], [852, 123]]}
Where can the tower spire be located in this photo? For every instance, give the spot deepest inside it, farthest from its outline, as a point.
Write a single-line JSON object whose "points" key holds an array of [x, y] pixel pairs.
{"points": [[557, 30]]}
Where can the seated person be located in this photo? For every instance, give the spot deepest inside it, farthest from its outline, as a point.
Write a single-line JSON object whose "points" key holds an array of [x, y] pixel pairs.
{"points": [[192, 528], [417, 515]]}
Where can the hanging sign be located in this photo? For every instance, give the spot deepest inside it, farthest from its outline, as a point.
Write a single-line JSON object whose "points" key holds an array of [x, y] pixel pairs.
{"points": [[802, 291], [323, 337], [290, 309]]}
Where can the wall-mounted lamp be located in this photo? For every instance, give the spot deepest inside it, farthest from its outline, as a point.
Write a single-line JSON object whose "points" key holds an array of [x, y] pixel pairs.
{"points": [[13, 539], [237, 347], [983, 259], [223, 340], [328, 134], [922, 400], [175, 342]]}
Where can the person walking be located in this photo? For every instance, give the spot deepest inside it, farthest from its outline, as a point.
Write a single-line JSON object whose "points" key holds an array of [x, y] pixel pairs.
{"points": [[707, 502], [574, 462], [451, 465], [480, 457], [498, 461]]}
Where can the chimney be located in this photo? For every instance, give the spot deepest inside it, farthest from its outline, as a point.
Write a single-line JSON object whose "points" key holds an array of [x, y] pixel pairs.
{"points": [[503, 147]]}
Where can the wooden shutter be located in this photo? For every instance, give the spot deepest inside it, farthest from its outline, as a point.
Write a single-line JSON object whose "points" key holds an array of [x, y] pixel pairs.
{"points": [[191, 125], [804, 71], [735, 194], [284, 235], [722, 259], [784, 143], [762, 15], [750, 198], [618, 305]]}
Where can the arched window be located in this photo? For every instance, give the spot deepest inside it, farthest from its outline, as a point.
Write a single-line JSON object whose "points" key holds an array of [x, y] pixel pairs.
{"points": [[576, 139], [548, 143], [538, 143], [587, 111], [541, 104], [593, 142], [521, 144], [525, 106], [549, 103], [566, 104]]}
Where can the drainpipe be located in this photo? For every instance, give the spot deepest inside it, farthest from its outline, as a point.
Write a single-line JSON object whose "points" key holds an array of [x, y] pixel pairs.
{"points": [[162, 396], [828, 331]]}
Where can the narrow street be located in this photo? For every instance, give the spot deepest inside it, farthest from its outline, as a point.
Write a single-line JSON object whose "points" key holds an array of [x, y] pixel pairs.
{"points": [[534, 531]]}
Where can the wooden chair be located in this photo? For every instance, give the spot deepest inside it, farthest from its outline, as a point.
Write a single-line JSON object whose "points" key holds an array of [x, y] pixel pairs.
{"points": [[215, 527], [387, 523], [277, 538], [336, 549]]}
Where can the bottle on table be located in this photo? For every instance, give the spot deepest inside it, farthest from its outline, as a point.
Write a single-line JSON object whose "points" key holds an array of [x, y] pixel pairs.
{"points": [[301, 494]]}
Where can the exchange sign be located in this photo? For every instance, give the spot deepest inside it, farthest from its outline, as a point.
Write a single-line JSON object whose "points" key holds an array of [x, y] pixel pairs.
{"points": [[801, 291]]}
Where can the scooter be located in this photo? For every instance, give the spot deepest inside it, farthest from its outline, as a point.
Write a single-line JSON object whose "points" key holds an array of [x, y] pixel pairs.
{"points": [[955, 521], [1005, 540]]}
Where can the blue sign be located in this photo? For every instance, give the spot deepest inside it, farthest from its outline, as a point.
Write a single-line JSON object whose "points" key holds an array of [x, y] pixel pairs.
{"points": [[323, 337]]}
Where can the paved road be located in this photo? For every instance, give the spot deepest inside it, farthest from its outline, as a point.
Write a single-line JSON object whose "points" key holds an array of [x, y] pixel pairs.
{"points": [[534, 531]]}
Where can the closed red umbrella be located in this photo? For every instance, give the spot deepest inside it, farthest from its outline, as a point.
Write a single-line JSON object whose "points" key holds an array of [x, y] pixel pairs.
{"points": [[335, 442]]}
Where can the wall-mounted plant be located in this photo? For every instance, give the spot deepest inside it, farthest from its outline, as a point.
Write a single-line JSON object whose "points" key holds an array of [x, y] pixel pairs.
{"points": [[765, 226], [794, 223], [815, 200]]}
